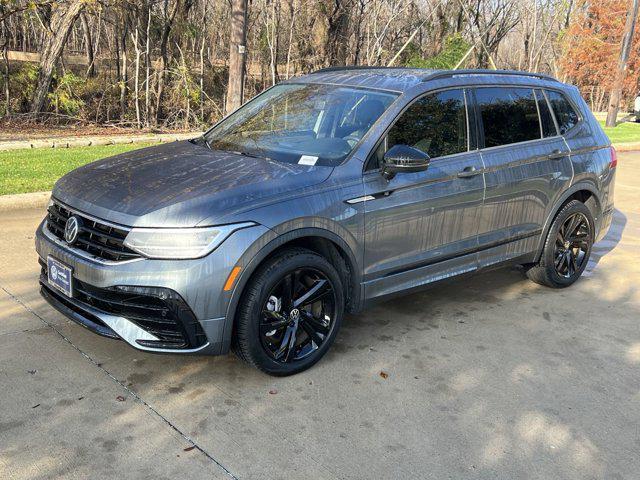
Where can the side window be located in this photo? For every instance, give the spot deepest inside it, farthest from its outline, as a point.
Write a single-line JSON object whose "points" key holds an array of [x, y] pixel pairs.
{"points": [[435, 123], [546, 120], [566, 116], [509, 115]]}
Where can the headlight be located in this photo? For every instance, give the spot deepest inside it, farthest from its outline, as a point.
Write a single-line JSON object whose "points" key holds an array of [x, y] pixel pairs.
{"points": [[179, 243]]}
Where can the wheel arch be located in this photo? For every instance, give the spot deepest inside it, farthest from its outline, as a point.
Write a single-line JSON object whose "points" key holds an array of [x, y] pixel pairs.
{"points": [[587, 193], [319, 240]]}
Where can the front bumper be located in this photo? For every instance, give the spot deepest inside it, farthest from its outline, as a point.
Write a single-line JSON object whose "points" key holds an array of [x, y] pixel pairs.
{"points": [[198, 283]]}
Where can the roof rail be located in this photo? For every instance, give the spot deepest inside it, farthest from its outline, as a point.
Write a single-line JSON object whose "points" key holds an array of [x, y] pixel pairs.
{"points": [[355, 67], [438, 74], [453, 73]]}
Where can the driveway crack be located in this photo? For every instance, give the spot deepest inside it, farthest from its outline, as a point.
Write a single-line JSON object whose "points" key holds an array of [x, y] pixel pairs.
{"points": [[131, 392]]}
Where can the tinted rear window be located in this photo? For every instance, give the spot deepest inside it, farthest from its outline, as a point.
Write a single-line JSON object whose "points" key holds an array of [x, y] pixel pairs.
{"points": [[566, 116], [509, 115]]}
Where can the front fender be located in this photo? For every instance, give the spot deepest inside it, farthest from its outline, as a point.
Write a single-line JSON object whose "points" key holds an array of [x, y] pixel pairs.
{"points": [[270, 242]]}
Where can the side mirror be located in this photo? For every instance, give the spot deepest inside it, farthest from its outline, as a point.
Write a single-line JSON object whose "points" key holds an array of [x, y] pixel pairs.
{"points": [[403, 158]]}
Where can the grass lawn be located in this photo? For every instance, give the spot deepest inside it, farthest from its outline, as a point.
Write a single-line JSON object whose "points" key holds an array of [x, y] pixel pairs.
{"points": [[34, 170], [37, 169], [624, 132]]}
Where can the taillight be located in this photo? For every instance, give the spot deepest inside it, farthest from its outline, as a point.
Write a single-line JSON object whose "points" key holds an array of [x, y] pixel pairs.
{"points": [[613, 163]]}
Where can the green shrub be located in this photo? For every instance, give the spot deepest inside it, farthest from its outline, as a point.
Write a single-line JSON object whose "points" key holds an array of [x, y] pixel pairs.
{"points": [[454, 49], [63, 96]]}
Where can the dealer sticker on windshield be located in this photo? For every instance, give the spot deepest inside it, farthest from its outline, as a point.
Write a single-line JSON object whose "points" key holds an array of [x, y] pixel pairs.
{"points": [[307, 160], [59, 276]]}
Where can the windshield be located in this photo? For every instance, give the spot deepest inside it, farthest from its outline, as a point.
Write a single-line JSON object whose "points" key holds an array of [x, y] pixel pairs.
{"points": [[301, 123]]}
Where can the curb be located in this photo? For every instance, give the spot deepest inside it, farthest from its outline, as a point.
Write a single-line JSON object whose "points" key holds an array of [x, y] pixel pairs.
{"points": [[66, 142], [20, 201], [627, 146]]}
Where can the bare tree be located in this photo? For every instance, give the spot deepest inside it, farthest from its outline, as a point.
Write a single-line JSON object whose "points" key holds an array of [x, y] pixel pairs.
{"points": [[63, 16], [237, 55], [86, 30]]}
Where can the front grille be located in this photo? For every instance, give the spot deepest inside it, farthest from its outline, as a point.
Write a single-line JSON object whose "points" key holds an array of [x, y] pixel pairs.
{"points": [[94, 237], [160, 311]]}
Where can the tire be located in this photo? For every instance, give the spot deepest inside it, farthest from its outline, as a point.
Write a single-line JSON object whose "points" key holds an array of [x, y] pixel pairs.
{"points": [[267, 318], [566, 253]]}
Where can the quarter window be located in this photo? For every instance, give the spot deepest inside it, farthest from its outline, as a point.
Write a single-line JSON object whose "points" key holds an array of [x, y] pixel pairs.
{"points": [[435, 123], [509, 115], [566, 116]]}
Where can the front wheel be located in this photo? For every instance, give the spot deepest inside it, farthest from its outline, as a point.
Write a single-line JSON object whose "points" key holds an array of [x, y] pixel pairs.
{"points": [[290, 313], [567, 248]]}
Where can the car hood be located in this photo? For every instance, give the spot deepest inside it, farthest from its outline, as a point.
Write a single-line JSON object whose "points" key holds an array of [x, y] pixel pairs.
{"points": [[180, 184]]}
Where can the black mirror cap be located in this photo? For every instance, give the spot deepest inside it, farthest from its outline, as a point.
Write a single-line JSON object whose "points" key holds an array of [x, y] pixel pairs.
{"points": [[403, 158]]}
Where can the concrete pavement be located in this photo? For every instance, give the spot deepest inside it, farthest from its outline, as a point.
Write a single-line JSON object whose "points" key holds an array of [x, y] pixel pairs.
{"points": [[490, 377]]}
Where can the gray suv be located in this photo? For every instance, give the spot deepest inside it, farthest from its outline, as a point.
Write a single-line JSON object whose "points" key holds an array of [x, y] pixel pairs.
{"points": [[321, 195]]}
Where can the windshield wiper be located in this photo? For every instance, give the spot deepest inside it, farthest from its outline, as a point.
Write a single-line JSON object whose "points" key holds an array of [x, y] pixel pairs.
{"points": [[246, 154]]}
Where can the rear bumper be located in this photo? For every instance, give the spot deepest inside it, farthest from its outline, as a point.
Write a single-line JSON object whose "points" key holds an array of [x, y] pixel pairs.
{"points": [[605, 224]]}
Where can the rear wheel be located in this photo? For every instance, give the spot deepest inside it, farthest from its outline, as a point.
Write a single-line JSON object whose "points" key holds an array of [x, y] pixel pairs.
{"points": [[290, 313], [567, 248]]}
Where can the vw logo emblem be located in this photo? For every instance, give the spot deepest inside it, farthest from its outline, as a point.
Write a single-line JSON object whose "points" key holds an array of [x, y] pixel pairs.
{"points": [[72, 229], [295, 314], [54, 273]]}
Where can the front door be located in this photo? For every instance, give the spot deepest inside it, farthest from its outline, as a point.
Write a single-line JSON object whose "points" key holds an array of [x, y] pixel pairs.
{"points": [[422, 226]]}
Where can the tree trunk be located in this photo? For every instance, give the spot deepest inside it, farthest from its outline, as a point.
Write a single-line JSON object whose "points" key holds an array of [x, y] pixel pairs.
{"points": [[91, 69], [7, 92], [147, 60], [62, 19], [627, 39], [164, 56], [134, 40], [337, 33], [237, 55], [124, 79], [5, 57]]}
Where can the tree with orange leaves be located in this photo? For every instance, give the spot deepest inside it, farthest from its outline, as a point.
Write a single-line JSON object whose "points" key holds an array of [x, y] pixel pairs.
{"points": [[592, 47]]}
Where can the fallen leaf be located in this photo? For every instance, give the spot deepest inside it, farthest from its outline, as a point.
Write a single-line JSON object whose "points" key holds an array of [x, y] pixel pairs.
{"points": [[273, 391], [384, 375], [120, 398], [188, 449]]}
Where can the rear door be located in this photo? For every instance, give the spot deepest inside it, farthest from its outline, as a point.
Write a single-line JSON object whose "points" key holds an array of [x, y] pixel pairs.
{"points": [[526, 163], [423, 226]]}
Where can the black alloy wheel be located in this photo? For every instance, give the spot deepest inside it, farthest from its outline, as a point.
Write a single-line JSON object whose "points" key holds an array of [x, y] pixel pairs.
{"points": [[573, 243], [298, 315], [289, 313], [567, 248]]}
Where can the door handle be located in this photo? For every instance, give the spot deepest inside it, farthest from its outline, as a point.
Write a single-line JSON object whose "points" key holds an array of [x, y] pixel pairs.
{"points": [[557, 154], [470, 171]]}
